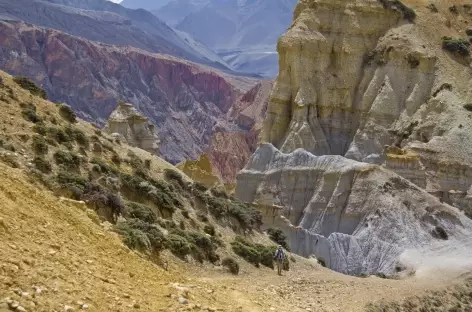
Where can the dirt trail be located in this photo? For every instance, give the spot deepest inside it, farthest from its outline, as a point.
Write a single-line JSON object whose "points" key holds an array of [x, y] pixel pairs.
{"points": [[56, 247]]}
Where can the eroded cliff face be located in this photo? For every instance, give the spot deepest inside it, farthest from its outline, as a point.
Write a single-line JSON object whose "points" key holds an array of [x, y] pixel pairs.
{"points": [[357, 218], [184, 100], [363, 95], [230, 151]]}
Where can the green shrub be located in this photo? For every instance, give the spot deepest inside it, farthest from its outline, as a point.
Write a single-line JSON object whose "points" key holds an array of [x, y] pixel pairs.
{"points": [[104, 166], [166, 224], [59, 135], [253, 253], [219, 192], [70, 180], [42, 164], [178, 245], [69, 160], [29, 113], [197, 244], [115, 158], [200, 186], [142, 236], [248, 253], [231, 264], [247, 216], [209, 229], [40, 129], [99, 197], [278, 237], [78, 135], [40, 145], [456, 45], [151, 190], [176, 177], [27, 84], [217, 206], [67, 113]]}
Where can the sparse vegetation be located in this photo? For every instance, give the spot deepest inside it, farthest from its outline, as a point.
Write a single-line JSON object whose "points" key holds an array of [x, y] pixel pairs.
{"points": [[42, 164], [253, 253], [67, 113], [40, 145], [175, 177], [209, 229], [77, 135], [141, 236], [231, 264], [104, 166], [29, 112], [456, 45], [29, 85], [67, 159]]}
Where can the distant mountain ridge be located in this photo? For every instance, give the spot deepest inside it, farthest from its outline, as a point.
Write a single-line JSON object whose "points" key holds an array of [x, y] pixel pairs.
{"points": [[243, 33], [110, 23]]}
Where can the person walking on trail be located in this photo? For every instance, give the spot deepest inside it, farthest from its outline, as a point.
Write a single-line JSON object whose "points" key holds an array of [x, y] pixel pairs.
{"points": [[279, 257]]}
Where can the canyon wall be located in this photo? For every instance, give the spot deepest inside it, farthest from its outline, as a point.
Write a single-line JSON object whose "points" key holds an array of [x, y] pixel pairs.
{"points": [[364, 93]]}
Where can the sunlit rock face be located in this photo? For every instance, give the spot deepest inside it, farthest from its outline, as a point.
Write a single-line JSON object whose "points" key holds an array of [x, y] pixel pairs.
{"points": [[126, 122], [366, 139]]}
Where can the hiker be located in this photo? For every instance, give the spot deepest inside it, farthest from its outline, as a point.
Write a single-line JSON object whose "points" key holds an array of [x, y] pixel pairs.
{"points": [[279, 257]]}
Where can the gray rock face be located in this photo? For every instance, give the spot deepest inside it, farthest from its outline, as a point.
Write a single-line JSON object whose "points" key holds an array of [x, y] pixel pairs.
{"points": [[357, 217]]}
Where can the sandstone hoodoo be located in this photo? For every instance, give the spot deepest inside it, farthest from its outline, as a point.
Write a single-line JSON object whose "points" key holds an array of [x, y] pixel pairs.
{"points": [[365, 122], [127, 123]]}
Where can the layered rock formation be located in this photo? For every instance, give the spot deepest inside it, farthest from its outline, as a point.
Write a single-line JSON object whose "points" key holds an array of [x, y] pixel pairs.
{"points": [[184, 100], [361, 88], [133, 127], [357, 218]]}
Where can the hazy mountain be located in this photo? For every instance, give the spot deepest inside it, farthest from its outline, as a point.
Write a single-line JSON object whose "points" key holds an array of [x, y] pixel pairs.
{"points": [[237, 24], [174, 12], [243, 33], [111, 23], [144, 4]]}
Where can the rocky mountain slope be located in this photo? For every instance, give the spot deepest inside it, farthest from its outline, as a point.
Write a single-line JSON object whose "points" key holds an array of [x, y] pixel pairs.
{"points": [[187, 102], [60, 253], [376, 84], [110, 23]]}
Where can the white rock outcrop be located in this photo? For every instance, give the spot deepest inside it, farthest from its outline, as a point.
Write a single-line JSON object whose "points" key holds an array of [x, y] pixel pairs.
{"points": [[129, 124], [357, 217]]}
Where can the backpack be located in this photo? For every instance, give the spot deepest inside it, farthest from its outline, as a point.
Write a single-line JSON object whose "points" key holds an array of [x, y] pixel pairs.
{"points": [[279, 254]]}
